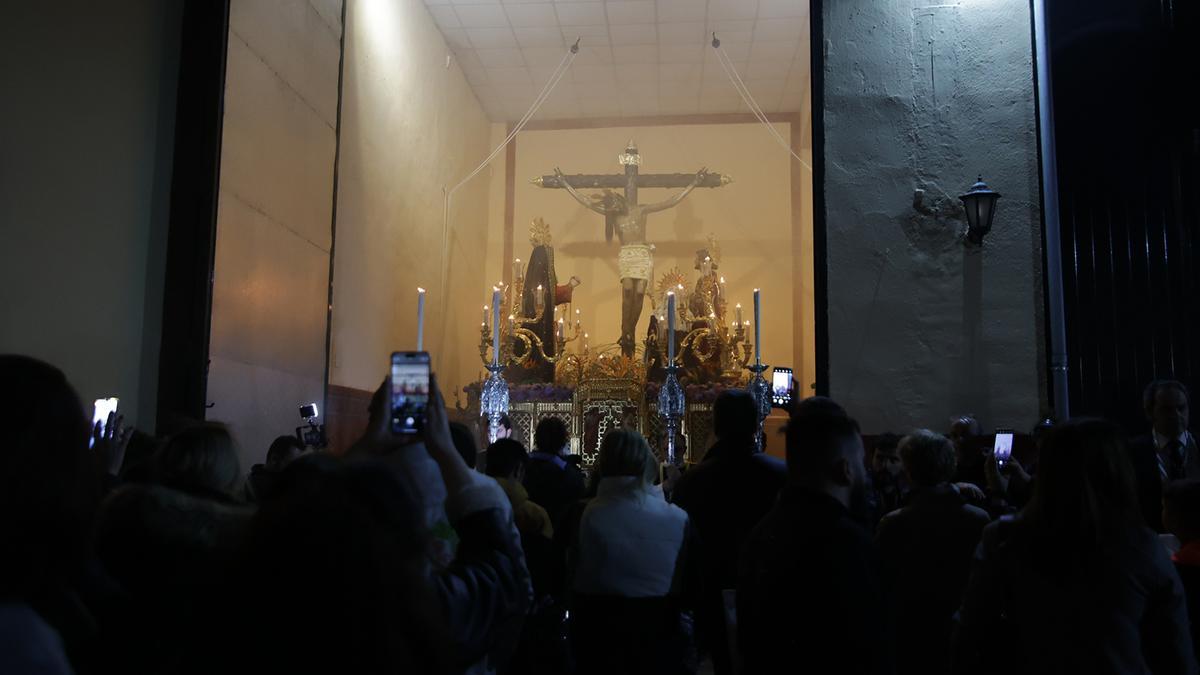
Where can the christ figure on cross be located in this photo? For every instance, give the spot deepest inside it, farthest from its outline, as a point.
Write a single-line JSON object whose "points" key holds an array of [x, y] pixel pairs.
{"points": [[627, 217]]}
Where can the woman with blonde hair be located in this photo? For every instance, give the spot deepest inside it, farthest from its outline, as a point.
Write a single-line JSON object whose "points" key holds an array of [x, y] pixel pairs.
{"points": [[628, 577]]}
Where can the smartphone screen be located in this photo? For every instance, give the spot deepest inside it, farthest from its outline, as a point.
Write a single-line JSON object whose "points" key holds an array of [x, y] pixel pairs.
{"points": [[781, 387], [101, 409], [1003, 446], [410, 391]]}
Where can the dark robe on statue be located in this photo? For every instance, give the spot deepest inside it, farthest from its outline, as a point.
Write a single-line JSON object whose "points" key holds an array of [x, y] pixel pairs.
{"points": [[540, 272]]}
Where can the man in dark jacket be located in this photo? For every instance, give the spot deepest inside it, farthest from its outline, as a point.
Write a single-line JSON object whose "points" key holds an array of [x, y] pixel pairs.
{"points": [[725, 496], [551, 481], [927, 549], [810, 593], [1169, 452]]}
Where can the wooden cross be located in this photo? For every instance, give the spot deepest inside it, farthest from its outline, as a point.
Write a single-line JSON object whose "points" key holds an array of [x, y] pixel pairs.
{"points": [[631, 180]]}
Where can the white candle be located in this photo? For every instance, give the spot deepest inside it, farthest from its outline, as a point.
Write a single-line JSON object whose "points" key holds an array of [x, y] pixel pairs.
{"points": [[540, 300], [706, 267], [495, 326], [517, 272], [485, 315], [757, 325], [560, 333], [420, 319], [670, 328], [737, 312], [512, 325]]}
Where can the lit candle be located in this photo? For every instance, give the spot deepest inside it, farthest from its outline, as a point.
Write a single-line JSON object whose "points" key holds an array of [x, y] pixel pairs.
{"points": [[737, 313], [561, 332], [420, 319], [539, 301], [512, 324], [757, 329], [578, 322], [662, 328], [495, 326], [671, 328], [485, 315], [706, 266], [517, 272], [712, 321], [585, 342]]}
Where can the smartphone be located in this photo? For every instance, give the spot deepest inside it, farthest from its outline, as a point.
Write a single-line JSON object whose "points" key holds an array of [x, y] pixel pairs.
{"points": [[410, 392], [101, 409], [1002, 449], [308, 411], [781, 387]]}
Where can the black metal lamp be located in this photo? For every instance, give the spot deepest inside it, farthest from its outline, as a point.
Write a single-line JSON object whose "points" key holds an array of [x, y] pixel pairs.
{"points": [[980, 204]]}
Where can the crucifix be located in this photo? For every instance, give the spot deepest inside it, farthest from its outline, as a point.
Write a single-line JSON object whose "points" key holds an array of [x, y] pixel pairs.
{"points": [[624, 215]]}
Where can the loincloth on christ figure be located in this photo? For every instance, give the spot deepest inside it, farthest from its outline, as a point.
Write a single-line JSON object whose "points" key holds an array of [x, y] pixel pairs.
{"points": [[636, 261]]}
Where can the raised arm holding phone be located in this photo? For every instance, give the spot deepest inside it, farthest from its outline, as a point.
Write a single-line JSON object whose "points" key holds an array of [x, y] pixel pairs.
{"points": [[484, 588]]}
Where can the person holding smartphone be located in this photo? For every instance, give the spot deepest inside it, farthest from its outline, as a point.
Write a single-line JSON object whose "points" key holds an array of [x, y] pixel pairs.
{"points": [[484, 586]]}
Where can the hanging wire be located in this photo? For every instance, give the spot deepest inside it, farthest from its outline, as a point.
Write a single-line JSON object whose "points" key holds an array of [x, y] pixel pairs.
{"points": [[748, 98], [448, 194]]}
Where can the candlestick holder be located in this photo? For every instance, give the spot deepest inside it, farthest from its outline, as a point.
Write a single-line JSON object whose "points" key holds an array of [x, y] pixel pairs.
{"points": [[760, 391], [493, 400], [532, 346], [671, 406]]}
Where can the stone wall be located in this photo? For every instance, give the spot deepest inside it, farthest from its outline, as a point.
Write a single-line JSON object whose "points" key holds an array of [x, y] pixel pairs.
{"points": [[918, 101]]}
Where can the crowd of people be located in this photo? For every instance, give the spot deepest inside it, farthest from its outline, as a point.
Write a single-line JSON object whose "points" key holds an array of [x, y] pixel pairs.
{"points": [[427, 555]]}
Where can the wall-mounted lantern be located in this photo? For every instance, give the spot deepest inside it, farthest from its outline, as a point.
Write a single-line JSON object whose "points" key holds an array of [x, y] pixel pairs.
{"points": [[980, 204]]}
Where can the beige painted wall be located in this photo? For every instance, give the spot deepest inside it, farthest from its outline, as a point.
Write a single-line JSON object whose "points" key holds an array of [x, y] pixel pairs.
{"points": [[410, 125], [751, 219], [273, 223]]}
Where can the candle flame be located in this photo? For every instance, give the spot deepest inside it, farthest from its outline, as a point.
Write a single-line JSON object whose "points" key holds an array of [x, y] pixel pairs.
{"points": [[756, 290], [722, 279], [739, 305], [420, 290], [670, 293], [495, 288]]}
